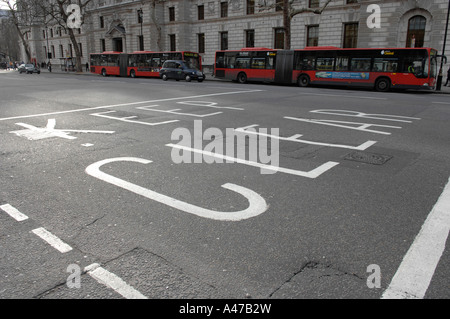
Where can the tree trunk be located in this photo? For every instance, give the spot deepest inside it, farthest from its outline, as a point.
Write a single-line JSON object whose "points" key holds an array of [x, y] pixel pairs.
{"points": [[287, 24], [158, 27]]}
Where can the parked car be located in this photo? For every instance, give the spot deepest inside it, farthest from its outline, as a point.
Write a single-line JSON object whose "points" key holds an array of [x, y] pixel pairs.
{"points": [[29, 69], [180, 70]]}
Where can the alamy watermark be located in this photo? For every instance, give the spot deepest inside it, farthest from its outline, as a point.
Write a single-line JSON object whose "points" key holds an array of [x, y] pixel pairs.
{"points": [[74, 20], [249, 146]]}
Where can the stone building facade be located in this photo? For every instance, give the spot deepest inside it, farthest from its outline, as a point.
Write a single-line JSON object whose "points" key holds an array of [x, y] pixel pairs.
{"points": [[205, 26]]}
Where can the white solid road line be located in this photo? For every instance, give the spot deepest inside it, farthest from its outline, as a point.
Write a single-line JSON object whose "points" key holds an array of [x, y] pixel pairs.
{"points": [[110, 280], [126, 104], [414, 275], [14, 213], [52, 240]]}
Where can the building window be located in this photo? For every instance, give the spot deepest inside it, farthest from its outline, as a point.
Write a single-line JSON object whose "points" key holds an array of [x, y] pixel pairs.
{"points": [[51, 32], [61, 51], [224, 9], [53, 52], [250, 6], [314, 3], [80, 46], [102, 22], [70, 51], [173, 42], [223, 40], [350, 35], [201, 12], [172, 14], [279, 4], [250, 38], [312, 37], [279, 38], [416, 32], [102, 45], [141, 42], [201, 43], [352, 1]]}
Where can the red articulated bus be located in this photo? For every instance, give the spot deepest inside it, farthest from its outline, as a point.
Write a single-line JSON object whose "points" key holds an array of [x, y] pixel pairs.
{"points": [[381, 68], [140, 63]]}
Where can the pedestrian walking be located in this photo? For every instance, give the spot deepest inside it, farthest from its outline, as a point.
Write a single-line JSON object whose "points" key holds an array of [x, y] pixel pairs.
{"points": [[448, 77], [49, 67], [87, 67]]}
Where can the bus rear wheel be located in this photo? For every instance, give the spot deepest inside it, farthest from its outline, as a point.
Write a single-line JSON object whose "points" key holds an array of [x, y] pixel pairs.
{"points": [[132, 74], [303, 80], [103, 72], [383, 85], [242, 78]]}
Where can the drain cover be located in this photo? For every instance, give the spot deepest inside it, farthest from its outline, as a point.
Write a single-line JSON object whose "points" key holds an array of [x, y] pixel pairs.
{"points": [[368, 158]]}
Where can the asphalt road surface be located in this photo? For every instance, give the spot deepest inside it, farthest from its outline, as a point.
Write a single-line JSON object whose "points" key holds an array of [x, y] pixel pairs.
{"points": [[136, 188]]}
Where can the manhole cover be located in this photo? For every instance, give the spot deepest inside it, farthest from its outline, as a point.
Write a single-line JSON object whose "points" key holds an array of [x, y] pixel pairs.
{"points": [[369, 158]]}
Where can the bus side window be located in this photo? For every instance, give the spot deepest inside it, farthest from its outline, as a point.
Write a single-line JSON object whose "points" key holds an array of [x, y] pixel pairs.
{"points": [[342, 64], [360, 64], [308, 63]]}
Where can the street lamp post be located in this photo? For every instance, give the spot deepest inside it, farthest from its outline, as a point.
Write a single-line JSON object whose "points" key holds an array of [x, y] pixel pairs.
{"points": [[48, 48], [439, 80]]}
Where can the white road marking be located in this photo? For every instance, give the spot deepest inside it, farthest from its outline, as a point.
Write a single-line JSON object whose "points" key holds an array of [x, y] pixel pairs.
{"points": [[414, 275], [311, 174], [296, 138], [13, 212], [52, 240], [346, 96], [126, 104], [360, 127], [112, 281], [151, 109], [211, 105], [384, 117], [257, 204], [37, 133], [128, 119]]}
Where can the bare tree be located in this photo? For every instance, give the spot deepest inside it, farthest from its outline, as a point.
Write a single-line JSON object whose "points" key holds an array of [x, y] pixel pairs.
{"points": [[290, 10], [60, 12], [9, 41], [23, 15], [155, 21]]}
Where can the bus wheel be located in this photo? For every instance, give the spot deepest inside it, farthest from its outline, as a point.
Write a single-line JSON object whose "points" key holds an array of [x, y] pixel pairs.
{"points": [[132, 74], [303, 80], [242, 78], [382, 85], [103, 72]]}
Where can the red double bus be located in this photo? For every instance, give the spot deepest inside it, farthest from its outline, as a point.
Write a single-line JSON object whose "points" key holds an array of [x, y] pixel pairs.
{"points": [[140, 63], [382, 68]]}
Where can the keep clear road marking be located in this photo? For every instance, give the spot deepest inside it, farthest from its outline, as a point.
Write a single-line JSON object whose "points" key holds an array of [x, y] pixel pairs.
{"points": [[52, 240], [311, 174], [256, 204], [127, 104], [14, 213], [110, 280], [414, 275]]}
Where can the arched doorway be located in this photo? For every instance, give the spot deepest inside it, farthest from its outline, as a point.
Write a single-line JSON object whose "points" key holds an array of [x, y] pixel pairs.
{"points": [[416, 32]]}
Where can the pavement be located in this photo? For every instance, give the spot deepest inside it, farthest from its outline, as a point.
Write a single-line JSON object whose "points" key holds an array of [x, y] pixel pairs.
{"points": [[209, 77]]}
